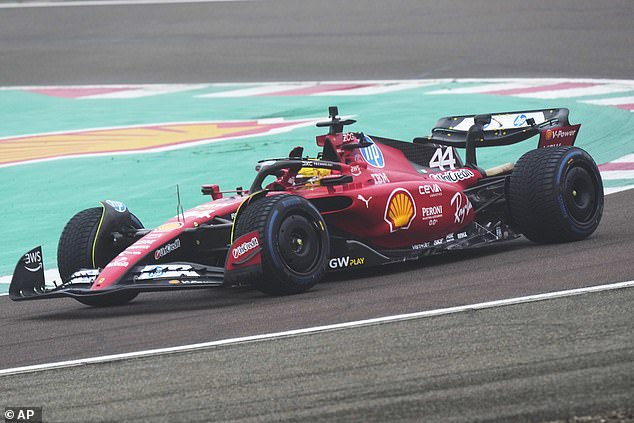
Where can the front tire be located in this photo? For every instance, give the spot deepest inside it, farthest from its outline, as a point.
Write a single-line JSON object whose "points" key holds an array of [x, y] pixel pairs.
{"points": [[294, 241], [555, 194], [75, 252]]}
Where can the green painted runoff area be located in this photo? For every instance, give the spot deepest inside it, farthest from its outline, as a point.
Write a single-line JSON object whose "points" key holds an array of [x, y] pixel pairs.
{"points": [[39, 198]]}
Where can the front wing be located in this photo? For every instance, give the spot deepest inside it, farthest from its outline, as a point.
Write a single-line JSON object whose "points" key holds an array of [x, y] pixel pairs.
{"points": [[28, 281]]}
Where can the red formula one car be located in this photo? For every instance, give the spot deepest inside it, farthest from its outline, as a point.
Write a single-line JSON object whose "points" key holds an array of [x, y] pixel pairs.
{"points": [[363, 201]]}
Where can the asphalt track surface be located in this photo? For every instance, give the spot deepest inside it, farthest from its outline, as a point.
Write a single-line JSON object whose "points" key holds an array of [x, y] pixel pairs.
{"points": [[282, 40], [511, 364], [522, 363]]}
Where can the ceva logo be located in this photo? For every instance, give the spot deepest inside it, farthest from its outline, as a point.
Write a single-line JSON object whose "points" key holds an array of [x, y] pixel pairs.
{"points": [[373, 154]]}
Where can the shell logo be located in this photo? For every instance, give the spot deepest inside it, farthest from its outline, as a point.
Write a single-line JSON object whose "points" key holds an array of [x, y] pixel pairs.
{"points": [[400, 210], [549, 134]]}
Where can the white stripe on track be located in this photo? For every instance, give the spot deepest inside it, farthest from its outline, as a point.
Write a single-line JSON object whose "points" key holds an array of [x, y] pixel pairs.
{"points": [[617, 174], [147, 91], [259, 90], [378, 89], [614, 101], [317, 329], [578, 92], [613, 190], [500, 86]]}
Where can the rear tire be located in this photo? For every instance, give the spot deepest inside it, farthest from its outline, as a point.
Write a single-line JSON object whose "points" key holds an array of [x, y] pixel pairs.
{"points": [[294, 241], [556, 195], [74, 252]]}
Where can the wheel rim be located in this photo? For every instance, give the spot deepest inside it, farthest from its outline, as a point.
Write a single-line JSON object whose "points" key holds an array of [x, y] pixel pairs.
{"points": [[580, 193], [299, 244]]}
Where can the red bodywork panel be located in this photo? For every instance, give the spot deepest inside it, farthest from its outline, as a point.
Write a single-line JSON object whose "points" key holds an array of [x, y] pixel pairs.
{"points": [[557, 137], [164, 239], [396, 206], [390, 204]]}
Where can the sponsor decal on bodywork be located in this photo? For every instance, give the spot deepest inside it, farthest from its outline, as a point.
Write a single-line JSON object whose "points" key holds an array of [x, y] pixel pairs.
{"points": [[380, 178], [373, 154], [430, 190], [119, 262], [33, 261], [453, 175], [557, 137], [151, 272], [245, 251], [433, 212], [400, 210], [241, 249], [462, 207], [345, 262], [507, 120], [366, 201], [167, 249], [117, 205]]}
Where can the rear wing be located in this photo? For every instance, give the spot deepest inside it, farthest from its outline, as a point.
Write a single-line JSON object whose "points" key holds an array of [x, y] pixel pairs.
{"points": [[504, 128]]}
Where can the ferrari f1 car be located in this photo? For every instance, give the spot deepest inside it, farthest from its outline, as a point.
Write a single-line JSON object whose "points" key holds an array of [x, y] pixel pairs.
{"points": [[362, 201]]}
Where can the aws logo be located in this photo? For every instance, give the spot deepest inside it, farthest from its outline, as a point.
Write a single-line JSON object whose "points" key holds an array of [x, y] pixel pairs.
{"points": [[33, 260], [400, 210]]}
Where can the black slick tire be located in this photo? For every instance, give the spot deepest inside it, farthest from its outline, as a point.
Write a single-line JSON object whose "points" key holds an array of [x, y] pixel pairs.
{"points": [[555, 195], [74, 252]]}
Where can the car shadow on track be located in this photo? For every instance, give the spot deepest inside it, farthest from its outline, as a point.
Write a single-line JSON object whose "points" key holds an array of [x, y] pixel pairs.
{"points": [[157, 303]]}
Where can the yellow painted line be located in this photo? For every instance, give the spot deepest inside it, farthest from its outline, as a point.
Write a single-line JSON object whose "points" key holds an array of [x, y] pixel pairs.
{"points": [[160, 137]]}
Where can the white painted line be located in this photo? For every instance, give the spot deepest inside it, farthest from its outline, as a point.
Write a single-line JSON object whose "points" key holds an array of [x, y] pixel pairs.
{"points": [[147, 91], [492, 87], [107, 3], [522, 82], [629, 158], [614, 101], [546, 81], [617, 174], [317, 329], [613, 190], [545, 94], [578, 92], [73, 87], [260, 90], [377, 89]]}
